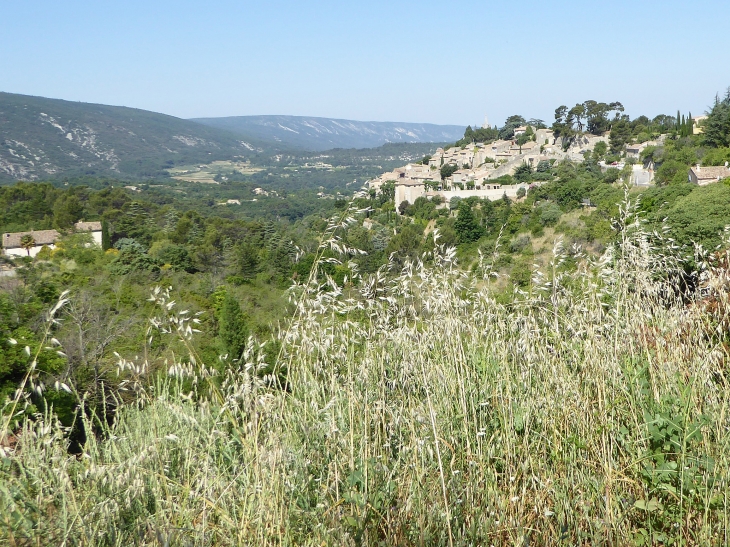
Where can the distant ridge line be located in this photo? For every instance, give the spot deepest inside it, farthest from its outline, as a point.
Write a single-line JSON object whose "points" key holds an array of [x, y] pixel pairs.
{"points": [[316, 133]]}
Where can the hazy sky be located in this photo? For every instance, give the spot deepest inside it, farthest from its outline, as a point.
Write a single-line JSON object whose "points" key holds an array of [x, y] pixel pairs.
{"points": [[417, 61]]}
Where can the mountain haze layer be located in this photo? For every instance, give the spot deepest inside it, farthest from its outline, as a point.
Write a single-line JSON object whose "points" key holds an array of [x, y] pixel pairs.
{"points": [[44, 138], [316, 134]]}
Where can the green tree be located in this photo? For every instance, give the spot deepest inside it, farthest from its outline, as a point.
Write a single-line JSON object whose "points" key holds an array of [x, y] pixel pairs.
{"points": [[247, 260], [512, 123], [406, 243], [620, 135], [717, 125], [523, 173], [178, 257], [387, 191], [27, 242], [466, 227], [106, 239], [448, 170], [563, 127], [599, 151], [67, 210], [232, 327]]}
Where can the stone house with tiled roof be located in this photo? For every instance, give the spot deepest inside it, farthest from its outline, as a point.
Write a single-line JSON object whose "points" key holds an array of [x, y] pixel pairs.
{"points": [[93, 227], [45, 238], [703, 176], [42, 238]]}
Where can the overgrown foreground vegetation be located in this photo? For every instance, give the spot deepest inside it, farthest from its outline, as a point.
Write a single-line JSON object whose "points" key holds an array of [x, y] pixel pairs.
{"points": [[415, 409]]}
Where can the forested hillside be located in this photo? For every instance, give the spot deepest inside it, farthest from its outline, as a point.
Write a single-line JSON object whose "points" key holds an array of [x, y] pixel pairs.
{"points": [[40, 138]]}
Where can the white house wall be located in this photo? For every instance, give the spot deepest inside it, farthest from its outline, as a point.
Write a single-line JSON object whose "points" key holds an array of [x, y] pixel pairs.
{"points": [[492, 195], [22, 252]]}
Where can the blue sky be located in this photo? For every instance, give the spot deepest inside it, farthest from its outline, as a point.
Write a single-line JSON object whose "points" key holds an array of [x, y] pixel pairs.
{"points": [[425, 61]]}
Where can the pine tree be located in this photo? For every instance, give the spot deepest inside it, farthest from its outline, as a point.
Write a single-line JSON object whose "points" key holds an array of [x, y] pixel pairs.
{"points": [[466, 227], [233, 331], [247, 260], [716, 127]]}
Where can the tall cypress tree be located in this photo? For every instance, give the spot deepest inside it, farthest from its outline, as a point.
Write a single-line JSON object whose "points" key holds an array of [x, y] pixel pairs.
{"points": [[106, 239], [233, 330]]}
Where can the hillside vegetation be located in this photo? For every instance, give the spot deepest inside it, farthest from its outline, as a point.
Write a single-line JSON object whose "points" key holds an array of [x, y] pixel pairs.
{"points": [[420, 410], [309, 369]]}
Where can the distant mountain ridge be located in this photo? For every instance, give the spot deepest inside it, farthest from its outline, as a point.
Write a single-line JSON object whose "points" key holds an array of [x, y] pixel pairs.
{"points": [[318, 134], [44, 138]]}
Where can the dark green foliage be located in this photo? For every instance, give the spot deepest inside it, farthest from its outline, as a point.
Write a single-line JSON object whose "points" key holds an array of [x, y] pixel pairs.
{"points": [[549, 213], [716, 156], [178, 257], [599, 150], [701, 215], [512, 123], [620, 135], [233, 329], [611, 175], [106, 239], [671, 172], [448, 170], [485, 135], [466, 227], [133, 257], [387, 192], [717, 125], [67, 210], [422, 209], [523, 173], [591, 116], [15, 313], [247, 260], [406, 243]]}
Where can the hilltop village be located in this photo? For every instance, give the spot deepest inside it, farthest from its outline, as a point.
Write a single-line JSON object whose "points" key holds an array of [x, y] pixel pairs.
{"points": [[480, 169]]}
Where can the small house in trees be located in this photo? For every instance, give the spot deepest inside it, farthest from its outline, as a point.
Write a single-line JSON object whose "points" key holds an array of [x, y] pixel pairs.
{"points": [[520, 130], [93, 227], [703, 176], [31, 243], [28, 243]]}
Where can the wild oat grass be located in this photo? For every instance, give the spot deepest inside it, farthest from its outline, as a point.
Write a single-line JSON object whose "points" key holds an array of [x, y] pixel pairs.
{"points": [[418, 409]]}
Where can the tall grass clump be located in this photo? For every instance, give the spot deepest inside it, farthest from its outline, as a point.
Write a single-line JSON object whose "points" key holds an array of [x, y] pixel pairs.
{"points": [[416, 407]]}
